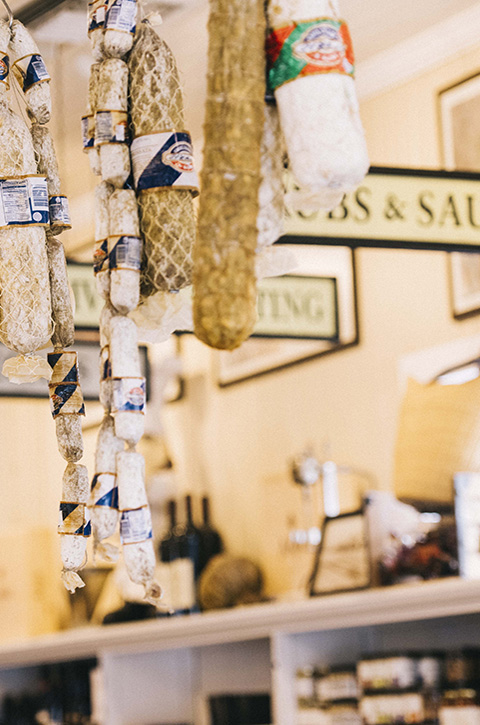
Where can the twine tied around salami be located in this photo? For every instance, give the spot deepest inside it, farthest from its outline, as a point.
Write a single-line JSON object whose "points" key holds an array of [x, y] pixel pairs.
{"points": [[164, 160], [312, 47]]}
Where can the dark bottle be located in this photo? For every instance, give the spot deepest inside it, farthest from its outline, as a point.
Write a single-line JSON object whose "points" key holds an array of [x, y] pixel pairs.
{"points": [[192, 537], [211, 542], [168, 548]]}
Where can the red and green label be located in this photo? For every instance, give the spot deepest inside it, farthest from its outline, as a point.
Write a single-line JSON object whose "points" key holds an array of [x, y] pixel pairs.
{"points": [[309, 48]]}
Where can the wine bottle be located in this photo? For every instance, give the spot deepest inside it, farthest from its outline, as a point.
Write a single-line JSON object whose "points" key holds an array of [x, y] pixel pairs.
{"points": [[192, 535], [187, 543], [211, 542], [179, 573], [168, 553]]}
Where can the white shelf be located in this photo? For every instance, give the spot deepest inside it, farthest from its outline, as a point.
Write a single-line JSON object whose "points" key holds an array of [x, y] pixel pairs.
{"points": [[423, 601]]}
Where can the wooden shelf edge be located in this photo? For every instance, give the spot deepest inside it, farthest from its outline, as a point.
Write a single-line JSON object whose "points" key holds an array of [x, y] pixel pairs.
{"points": [[442, 598]]}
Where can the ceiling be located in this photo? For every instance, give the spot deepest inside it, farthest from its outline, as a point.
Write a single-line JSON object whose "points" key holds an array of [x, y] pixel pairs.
{"points": [[376, 25]]}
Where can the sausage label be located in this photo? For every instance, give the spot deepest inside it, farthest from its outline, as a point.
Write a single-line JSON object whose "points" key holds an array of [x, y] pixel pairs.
{"points": [[87, 526], [105, 364], [308, 48], [24, 202], [104, 491], [100, 256], [88, 131], [125, 253], [111, 127], [66, 399], [72, 518], [129, 395], [4, 69], [30, 70], [97, 11], [64, 367], [122, 15], [164, 160], [59, 211], [136, 526]]}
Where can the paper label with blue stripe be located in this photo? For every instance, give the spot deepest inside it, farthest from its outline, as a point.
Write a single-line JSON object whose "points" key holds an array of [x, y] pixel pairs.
{"points": [[30, 70], [128, 395], [71, 518], [100, 256], [97, 11], [122, 15], [104, 491], [87, 526], [125, 253], [66, 399], [105, 364], [4, 68], [164, 160], [64, 367], [111, 127], [59, 211], [136, 526], [88, 132], [24, 202]]}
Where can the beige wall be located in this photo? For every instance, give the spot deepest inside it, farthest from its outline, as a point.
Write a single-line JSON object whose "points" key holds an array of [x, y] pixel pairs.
{"points": [[238, 442]]}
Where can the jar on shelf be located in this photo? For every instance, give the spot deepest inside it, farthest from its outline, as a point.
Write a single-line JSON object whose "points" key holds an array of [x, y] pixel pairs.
{"points": [[389, 672], [459, 707], [305, 687], [338, 684]]}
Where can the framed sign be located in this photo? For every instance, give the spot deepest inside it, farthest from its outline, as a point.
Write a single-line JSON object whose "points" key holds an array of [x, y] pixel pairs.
{"points": [[459, 113], [397, 208], [333, 305], [342, 560]]}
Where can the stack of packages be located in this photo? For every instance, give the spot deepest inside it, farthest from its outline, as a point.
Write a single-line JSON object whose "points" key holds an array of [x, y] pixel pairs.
{"points": [[35, 302]]}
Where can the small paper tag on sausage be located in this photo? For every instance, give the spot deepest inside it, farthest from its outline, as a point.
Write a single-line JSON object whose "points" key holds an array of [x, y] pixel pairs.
{"points": [[64, 366], [24, 202], [105, 364], [125, 253], [71, 518], [4, 68], [122, 15], [88, 132], [97, 11], [87, 526], [111, 127], [66, 399], [59, 211], [136, 526], [164, 160], [100, 256], [129, 395], [30, 70], [104, 491]]}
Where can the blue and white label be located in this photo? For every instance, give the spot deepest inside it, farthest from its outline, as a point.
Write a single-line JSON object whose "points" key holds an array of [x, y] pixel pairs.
{"points": [[4, 68], [164, 160], [111, 127], [87, 527], [30, 70], [105, 364], [125, 253], [24, 202], [88, 131], [59, 211], [128, 395], [136, 526], [104, 491], [122, 15], [100, 256], [97, 12]]}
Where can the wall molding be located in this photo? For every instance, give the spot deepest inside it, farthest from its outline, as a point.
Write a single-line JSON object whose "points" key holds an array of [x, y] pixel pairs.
{"points": [[412, 57]]}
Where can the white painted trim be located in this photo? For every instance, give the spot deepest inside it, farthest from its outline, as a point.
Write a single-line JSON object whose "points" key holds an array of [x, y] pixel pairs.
{"points": [[416, 55], [403, 603]]}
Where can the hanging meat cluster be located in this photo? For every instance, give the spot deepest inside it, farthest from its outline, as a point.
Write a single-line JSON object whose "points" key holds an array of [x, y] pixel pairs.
{"points": [[144, 230], [35, 302]]}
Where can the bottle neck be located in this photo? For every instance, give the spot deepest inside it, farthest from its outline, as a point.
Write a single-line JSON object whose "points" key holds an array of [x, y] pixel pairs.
{"points": [[189, 510], [206, 511], [172, 514]]}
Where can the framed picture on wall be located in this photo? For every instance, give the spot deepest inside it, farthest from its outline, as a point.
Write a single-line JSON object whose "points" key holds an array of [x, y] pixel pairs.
{"points": [[459, 113], [334, 268]]}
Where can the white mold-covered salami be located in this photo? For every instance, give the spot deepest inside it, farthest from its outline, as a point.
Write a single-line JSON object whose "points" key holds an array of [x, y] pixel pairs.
{"points": [[103, 500], [25, 304], [72, 523], [96, 23], [311, 73], [271, 192], [89, 121], [101, 266], [111, 124], [48, 166], [31, 72], [131, 480], [125, 249], [120, 27], [64, 325], [69, 437], [124, 356]]}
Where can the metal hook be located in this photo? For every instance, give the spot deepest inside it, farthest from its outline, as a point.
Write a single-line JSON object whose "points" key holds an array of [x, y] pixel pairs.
{"points": [[10, 14]]}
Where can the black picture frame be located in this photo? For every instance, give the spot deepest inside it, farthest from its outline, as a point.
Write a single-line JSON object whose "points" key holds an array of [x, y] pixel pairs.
{"points": [[342, 561]]}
